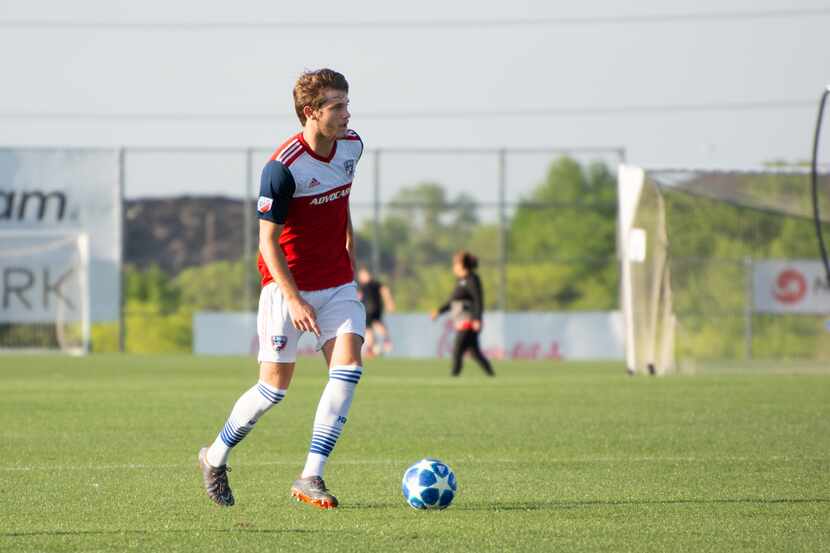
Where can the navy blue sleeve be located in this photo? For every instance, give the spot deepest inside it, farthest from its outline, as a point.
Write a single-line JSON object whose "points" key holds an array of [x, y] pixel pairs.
{"points": [[276, 189]]}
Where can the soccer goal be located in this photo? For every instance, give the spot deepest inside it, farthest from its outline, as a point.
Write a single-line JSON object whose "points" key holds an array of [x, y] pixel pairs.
{"points": [[44, 292], [720, 268]]}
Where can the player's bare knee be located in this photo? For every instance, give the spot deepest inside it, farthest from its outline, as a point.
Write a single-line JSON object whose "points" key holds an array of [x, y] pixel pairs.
{"points": [[276, 374], [344, 350]]}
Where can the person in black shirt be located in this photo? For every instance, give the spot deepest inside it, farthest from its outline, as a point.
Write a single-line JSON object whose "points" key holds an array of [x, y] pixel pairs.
{"points": [[375, 297], [466, 305]]}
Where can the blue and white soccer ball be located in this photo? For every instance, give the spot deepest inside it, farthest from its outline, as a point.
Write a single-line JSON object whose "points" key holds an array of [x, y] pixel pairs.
{"points": [[429, 484]]}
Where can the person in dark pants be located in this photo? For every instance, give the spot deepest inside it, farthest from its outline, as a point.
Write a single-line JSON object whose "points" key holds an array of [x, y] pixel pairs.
{"points": [[466, 305]]}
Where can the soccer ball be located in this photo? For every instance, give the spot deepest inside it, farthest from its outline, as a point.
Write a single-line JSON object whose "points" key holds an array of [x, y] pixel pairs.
{"points": [[429, 484]]}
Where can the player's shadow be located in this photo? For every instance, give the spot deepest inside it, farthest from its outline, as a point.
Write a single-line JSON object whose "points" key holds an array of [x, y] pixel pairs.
{"points": [[166, 531], [552, 505], [366, 505]]}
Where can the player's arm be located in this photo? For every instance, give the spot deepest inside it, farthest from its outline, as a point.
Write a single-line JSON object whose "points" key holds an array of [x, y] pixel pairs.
{"points": [[477, 303], [302, 314], [388, 300], [350, 247], [444, 308], [275, 194], [457, 292]]}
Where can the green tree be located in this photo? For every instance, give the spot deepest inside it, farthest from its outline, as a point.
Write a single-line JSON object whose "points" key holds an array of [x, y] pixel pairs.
{"points": [[218, 286], [152, 286], [421, 227], [563, 238]]}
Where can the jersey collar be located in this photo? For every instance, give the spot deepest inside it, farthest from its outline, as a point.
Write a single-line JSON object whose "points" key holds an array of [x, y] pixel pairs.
{"points": [[311, 152]]}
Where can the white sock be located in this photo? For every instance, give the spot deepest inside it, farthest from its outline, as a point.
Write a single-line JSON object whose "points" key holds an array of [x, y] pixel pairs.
{"points": [[331, 416], [248, 409]]}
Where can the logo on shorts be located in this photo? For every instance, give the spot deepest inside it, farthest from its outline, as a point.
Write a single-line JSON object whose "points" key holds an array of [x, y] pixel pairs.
{"points": [[263, 205], [278, 342]]}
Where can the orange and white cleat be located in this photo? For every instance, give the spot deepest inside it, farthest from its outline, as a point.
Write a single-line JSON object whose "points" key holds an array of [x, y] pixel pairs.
{"points": [[312, 490]]}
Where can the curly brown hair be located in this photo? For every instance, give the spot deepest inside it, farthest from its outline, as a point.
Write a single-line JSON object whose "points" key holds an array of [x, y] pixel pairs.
{"points": [[310, 86]]}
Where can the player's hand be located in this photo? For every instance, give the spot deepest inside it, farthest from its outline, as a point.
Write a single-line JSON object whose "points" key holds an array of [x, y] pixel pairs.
{"points": [[476, 325], [303, 316], [434, 314]]}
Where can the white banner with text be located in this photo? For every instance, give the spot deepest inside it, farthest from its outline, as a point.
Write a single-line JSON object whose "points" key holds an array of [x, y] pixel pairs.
{"points": [[58, 193], [555, 336], [790, 286]]}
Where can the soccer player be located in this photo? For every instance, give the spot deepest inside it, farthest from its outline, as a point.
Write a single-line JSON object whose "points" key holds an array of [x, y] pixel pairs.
{"points": [[467, 306], [306, 259], [375, 297]]}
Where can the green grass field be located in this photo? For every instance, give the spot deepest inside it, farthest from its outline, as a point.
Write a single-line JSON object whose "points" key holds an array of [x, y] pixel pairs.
{"points": [[99, 454]]}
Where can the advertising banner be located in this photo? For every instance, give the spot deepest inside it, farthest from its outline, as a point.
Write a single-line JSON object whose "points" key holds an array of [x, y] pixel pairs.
{"points": [[58, 192], [790, 286], [590, 336], [44, 280]]}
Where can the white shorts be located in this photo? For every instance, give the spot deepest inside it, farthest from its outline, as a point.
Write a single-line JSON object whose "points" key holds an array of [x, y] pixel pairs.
{"points": [[338, 312]]}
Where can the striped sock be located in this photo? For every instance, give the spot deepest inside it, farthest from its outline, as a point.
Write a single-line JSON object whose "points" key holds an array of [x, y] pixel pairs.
{"points": [[331, 416], [248, 409]]}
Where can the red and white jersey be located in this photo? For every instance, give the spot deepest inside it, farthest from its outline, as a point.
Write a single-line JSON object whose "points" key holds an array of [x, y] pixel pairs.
{"points": [[309, 195]]}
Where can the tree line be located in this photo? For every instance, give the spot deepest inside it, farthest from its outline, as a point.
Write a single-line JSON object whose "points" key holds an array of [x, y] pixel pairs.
{"points": [[560, 256]]}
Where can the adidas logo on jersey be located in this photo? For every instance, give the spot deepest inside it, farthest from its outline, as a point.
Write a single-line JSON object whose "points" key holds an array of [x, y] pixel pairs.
{"points": [[313, 183], [319, 200]]}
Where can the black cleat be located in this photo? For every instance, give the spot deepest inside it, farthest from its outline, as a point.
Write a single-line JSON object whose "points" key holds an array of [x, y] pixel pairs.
{"points": [[216, 481]]}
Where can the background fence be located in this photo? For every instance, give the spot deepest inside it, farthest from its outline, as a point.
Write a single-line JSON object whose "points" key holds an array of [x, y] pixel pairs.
{"points": [[191, 228], [543, 223]]}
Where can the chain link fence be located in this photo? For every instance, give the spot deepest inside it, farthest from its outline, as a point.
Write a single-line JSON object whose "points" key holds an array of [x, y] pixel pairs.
{"points": [[191, 229]]}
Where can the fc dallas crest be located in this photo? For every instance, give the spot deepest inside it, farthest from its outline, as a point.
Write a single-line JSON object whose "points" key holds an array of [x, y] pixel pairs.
{"points": [[264, 204]]}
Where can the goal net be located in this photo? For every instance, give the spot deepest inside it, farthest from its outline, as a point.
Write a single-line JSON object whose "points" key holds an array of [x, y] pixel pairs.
{"points": [[44, 292], [721, 268]]}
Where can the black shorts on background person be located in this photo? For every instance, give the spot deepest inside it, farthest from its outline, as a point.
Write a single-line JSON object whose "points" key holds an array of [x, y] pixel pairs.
{"points": [[375, 297]]}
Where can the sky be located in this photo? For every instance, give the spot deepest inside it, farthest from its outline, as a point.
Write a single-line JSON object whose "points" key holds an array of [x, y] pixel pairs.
{"points": [[682, 90]]}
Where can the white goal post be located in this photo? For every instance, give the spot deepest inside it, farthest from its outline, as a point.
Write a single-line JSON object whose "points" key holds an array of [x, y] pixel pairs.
{"points": [[645, 275], [44, 292], [718, 268]]}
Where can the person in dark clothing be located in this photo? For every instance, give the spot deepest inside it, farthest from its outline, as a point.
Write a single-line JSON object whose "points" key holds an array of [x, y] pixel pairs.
{"points": [[466, 305], [375, 297]]}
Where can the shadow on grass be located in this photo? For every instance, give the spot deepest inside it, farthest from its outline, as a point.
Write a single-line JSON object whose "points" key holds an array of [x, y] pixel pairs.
{"points": [[172, 531], [557, 505], [367, 505]]}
